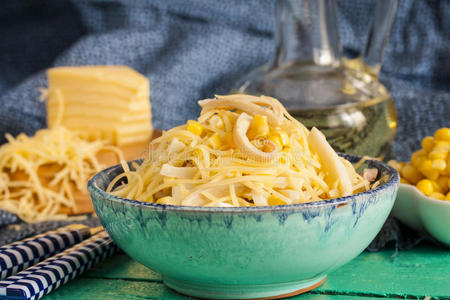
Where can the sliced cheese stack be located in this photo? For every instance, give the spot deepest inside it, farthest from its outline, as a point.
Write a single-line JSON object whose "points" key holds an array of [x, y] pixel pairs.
{"points": [[101, 102]]}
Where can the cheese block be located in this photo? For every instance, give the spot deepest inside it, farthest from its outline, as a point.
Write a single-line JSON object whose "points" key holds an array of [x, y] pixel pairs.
{"points": [[110, 103]]}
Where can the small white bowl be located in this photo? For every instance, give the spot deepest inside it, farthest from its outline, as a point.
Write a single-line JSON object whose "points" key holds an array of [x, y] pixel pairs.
{"points": [[423, 213]]}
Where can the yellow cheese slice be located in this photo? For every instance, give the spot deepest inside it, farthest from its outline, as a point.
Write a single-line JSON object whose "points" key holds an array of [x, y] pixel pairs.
{"points": [[100, 102]]}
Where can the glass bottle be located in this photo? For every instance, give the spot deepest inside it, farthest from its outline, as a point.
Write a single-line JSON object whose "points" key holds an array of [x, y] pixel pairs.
{"points": [[341, 97]]}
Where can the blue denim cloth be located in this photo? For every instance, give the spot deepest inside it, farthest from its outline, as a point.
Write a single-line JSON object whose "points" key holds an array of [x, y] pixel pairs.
{"points": [[192, 49]]}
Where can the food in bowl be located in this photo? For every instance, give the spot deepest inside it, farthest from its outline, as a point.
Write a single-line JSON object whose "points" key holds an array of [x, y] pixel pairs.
{"points": [[245, 252], [242, 151], [429, 168], [423, 213], [243, 203]]}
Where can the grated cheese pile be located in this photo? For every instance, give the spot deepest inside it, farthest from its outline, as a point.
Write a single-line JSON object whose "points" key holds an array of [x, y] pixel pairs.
{"points": [[39, 174], [242, 151]]}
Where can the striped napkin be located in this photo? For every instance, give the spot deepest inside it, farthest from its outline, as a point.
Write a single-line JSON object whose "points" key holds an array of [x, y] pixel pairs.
{"points": [[41, 279], [20, 255]]}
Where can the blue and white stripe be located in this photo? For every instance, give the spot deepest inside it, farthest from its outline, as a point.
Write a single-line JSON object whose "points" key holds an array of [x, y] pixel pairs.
{"points": [[37, 281], [20, 255]]}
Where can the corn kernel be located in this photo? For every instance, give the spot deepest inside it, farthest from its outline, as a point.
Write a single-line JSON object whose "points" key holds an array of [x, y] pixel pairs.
{"points": [[439, 164], [437, 154], [275, 201], [442, 134], [259, 127], [438, 196], [448, 165], [442, 145], [215, 141], [279, 137], [418, 157], [166, 200], [411, 174], [428, 143], [443, 182], [194, 127], [436, 186], [447, 197], [277, 140], [403, 180], [426, 168], [421, 152], [425, 186], [284, 137]]}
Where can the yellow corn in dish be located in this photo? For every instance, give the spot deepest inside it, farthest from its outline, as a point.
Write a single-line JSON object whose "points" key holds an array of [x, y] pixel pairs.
{"points": [[429, 168], [242, 151]]}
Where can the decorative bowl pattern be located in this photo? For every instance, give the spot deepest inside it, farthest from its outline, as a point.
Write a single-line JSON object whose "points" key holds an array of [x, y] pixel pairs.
{"points": [[423, 213], [245, 252]]}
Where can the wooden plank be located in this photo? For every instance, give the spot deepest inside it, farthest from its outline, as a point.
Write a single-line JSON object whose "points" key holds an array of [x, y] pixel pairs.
{"points": [[121, 266], [424, 271], [309, 296], [101, 289]]}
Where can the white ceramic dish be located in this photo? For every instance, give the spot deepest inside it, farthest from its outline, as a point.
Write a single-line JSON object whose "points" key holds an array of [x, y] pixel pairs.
{"points": [[423, 213]]}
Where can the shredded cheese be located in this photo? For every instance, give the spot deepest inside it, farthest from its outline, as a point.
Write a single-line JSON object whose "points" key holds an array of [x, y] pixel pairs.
{"points": [[286, 165], [39, 174]]}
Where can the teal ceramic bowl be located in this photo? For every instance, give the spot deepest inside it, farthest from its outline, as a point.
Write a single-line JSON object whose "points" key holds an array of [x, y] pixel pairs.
{"points": [[423, 213], [242, 253]]}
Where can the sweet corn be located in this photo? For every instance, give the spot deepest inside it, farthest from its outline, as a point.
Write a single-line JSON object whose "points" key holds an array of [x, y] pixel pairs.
{"points": [[403, 180], [436, 186], [426, 168], [258, 127], [167, 200], [442, 134], [411, 174], [284, 137], [437, 154], [275, 201], [439, 164], [421, 152], [277, 140], [448, 165], [418, 157], [442, 145], [443, 182], [438, 196], [279, 137], [215, 141], [194, 127], [425, 186], [431, 162], [428, 143]]}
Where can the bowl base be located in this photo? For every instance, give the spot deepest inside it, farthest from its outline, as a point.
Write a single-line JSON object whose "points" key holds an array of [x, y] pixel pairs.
{"points": [[256, 291]]}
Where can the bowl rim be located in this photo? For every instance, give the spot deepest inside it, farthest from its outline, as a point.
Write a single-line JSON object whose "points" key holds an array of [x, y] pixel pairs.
{"points": [[393, 181], [421, 195]]}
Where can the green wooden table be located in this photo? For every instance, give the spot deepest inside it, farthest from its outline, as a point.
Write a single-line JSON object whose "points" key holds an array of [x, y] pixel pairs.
{"points": [[422, 273]]}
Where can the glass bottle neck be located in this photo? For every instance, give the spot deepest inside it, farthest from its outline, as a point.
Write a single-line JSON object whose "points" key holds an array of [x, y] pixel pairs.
{"points": [[307, 33]]}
